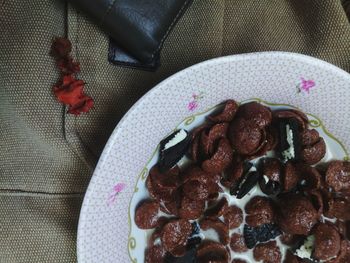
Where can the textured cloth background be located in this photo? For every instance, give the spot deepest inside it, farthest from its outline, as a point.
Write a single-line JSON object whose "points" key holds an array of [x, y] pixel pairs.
{"points": [[47, 157]]}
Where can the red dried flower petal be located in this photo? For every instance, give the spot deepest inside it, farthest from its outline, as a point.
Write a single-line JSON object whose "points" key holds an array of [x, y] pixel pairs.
{"points": [[67, 79], [85, 104], [68, 66], [69, 91], [69, 96], [61, 47]]}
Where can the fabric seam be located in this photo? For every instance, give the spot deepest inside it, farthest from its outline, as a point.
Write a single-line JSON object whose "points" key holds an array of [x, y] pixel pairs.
{"points": [[222, 29], [67, 120], [25, 192], [170, 27]]}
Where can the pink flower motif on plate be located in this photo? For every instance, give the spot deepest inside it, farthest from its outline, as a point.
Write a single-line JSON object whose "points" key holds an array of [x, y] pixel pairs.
{"points": [[117, 189], [193, 104], [306, 85]]}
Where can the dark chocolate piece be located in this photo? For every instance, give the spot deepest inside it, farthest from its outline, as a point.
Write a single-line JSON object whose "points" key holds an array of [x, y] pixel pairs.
{"points": [[270, 187], [263, 233], [235, 187], [189, 257], [195, 228], [267, 232], [247, 166], [250, 238], [194, 239], [247, 182], [289, 144], [170, 156]]}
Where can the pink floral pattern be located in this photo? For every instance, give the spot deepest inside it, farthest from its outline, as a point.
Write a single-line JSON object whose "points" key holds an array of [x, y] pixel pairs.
{"points": [[193, 104], [117, 189], [306, 85]]}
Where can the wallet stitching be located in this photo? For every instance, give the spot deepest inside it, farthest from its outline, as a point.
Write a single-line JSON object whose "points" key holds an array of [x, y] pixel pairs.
{"points": [[108, 9], [170, 27]]}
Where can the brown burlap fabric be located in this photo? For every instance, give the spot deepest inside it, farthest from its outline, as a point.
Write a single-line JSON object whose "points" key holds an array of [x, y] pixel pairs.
{"points": [[47, 157]]}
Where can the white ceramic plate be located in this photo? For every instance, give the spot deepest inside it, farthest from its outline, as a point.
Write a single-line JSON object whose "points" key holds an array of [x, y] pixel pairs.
{"points": [[106, 231]]}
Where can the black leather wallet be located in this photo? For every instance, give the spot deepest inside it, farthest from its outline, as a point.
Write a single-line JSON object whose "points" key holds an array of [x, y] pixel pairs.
{"points": [[120, 57], [138, 27]]}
